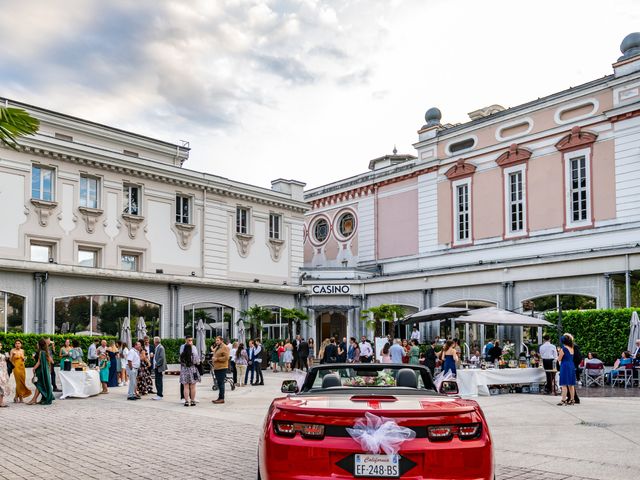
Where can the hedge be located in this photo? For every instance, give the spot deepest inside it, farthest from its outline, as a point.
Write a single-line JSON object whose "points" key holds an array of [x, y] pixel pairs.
{"points": [[30, 343], [605, 332]]}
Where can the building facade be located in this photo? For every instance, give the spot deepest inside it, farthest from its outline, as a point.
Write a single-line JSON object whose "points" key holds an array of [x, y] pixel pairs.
{"points": [[522, 208], [99, 224]]}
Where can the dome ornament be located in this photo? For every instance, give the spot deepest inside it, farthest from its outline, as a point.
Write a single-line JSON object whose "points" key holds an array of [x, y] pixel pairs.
{"points": [[630, 46], [432, 117]]}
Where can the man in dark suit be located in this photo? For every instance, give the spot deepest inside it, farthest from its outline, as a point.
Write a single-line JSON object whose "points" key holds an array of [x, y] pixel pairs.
{"points": [[303, 355], [430, 357], [577, 360], [159, 367], [296, 350], [331, 352], [342, 351]]}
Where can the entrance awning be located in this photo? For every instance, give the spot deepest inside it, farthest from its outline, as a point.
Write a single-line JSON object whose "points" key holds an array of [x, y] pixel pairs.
{"points": [[498, 316], [432, 314]]}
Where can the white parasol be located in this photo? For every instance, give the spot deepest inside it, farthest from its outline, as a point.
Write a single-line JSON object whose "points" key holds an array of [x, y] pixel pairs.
{"points": [[125, 332], [141, 328], [201, 337], [634, 333]]}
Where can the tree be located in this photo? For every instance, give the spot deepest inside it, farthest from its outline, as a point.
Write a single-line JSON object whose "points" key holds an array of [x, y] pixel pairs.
{"points": [[200, 314], [293, 315], [382, 313], [112, 315], [15, 316], [79, 313], [255, 316], [14, 123]]}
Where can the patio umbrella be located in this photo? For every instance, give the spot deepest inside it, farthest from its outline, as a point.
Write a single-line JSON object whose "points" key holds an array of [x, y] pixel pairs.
{"points": [[435, 313], [125, 332], [141, 328], [498, 316], [241, 332], [201, 336], [634, 333]]}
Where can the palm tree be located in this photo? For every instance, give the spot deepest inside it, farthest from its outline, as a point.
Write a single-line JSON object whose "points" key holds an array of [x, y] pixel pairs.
{"points": [[293, 315], [14, 123], [255, 316], [374, 316]]}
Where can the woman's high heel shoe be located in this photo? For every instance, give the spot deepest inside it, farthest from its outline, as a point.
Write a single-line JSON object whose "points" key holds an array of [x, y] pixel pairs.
{"points": [[562, 403]]}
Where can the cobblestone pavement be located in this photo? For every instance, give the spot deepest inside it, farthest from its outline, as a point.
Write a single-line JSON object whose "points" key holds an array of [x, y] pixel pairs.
{"points": [[108, 437]]}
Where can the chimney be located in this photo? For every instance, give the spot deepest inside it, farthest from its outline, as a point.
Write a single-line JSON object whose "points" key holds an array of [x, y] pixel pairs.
{"points": [[293, 188], [629, 62]]}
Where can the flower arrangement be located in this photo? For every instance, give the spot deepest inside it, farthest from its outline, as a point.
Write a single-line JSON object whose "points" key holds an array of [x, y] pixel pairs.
{"points": [[382, 380]]}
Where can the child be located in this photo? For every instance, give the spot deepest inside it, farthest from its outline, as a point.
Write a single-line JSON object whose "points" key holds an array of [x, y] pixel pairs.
{"points": [[103, 365]]}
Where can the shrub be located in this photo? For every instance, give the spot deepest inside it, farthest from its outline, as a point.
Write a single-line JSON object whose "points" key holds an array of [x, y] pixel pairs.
{"points": [[30, 343], [605, 332]]}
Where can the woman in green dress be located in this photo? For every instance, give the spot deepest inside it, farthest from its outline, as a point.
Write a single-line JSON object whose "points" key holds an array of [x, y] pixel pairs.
{"points": [[414, 353], [42, 375], [65, 353]]}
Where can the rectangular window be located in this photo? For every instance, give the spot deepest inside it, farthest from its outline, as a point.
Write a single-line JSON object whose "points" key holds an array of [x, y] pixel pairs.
{"points": [[89, 191], [183, 209], [41, 252], [578, 188], [462, 204], [130, 262], [88, 257], [515, 205], [131, 199], [275, 223], [42, 183], [242, 220]]}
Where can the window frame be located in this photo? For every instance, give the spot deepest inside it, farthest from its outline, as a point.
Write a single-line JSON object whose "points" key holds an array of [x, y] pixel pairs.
{"points": [[457, 241], [89, 248], [569, 157], [312, 230], [43, 243], [338, 224], [53, 182], [137, 255], [177, 214], [98, 180], [247, 227], [507, 173], [278, 216], [126, 202]]}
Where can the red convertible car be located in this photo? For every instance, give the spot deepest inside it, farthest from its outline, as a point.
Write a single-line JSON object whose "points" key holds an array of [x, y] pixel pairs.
{"points": [[306, 434]]}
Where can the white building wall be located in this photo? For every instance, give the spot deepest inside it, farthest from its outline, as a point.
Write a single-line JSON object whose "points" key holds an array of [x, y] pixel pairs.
{"points": [[216, 239], [366, 229], [627, 151], [427, 212]]}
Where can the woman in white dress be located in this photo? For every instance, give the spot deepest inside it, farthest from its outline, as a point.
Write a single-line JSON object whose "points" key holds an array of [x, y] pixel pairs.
{"points": [[4, 378]]}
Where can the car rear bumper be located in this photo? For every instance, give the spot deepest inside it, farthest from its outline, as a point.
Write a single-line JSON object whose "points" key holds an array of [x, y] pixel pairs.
{"points": [[300, 459]]}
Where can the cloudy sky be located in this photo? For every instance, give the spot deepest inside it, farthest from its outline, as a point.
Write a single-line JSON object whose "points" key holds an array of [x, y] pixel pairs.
{"points": [[304, 89]]}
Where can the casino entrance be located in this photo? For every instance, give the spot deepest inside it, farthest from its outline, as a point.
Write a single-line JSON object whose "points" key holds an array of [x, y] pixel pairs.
{"points": [[331, 324]]}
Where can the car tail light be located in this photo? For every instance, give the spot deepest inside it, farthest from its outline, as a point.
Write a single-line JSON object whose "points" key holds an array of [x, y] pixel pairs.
{"points": [[307, 430], [442, 433]]}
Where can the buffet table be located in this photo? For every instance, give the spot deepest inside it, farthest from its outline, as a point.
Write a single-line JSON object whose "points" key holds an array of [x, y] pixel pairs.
{"points": [[80, 384], [475, 381]]}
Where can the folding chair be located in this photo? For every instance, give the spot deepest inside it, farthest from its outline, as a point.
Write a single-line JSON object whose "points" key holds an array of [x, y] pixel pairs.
{"points": [[593, 374], [624, 376]]}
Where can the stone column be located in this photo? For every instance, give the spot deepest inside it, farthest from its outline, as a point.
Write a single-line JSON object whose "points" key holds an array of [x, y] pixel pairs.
{"points": [[40, 302]]}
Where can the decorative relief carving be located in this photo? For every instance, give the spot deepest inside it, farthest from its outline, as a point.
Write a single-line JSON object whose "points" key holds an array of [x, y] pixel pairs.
{"points": [[275, 248], [90, 217], [460, 169], [44, 209], [513, 156], [576, 139], [133, 223], [184, 232], [243, 242]]}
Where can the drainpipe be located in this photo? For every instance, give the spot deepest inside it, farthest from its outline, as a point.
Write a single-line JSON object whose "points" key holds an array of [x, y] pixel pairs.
{"points": [[607, 290], [40, 297], [627, 283]]}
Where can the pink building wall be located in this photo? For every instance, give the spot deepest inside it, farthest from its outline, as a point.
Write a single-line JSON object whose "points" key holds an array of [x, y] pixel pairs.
{"points": [[486, 189], [397, 233], [545, 192], [604, 180], [445, 231]]}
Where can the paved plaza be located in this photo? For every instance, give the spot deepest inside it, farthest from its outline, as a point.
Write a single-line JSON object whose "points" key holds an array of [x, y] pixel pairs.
{"points": [[109, 437]]}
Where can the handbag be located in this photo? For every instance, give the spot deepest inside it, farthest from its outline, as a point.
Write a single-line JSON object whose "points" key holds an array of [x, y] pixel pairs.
{"points": [[34, 380]]}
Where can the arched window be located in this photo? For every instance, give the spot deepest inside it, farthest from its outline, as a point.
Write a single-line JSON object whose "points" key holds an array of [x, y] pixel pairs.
{"points": [[346, 225], [11, 313], [321, 230]]}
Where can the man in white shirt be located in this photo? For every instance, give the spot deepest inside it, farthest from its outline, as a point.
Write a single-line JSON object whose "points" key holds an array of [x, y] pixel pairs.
{"points": [[548, 354], [366, 352], [92, 354], [415, 334], [102, 349], [133, 364], [257, 362]]}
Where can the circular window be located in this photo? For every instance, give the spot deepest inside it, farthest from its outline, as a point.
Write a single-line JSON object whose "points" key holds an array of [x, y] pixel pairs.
{"points": [[321, 230], [346, 224]]}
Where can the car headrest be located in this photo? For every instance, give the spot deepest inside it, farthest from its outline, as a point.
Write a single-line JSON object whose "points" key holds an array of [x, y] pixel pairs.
{"points": [[407, 378], [331, 380]]}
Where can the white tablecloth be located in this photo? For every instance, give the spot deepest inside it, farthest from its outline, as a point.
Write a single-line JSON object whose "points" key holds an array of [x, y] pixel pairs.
{"points": [[473, 382], [80, 384]]}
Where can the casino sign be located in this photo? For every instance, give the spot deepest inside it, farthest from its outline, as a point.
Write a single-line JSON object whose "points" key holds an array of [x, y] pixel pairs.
{"points": [[331, 289]]}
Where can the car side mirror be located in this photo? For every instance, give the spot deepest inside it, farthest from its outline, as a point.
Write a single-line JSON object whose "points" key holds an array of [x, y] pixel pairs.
{"points": [[289, 386], [449, 388]]}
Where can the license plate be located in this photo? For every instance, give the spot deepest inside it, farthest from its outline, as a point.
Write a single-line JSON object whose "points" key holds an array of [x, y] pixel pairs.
{"points": [[367, 465]]}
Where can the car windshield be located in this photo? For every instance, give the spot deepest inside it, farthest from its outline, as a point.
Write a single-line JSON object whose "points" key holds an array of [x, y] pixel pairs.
{"points": [[368, 376]]}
